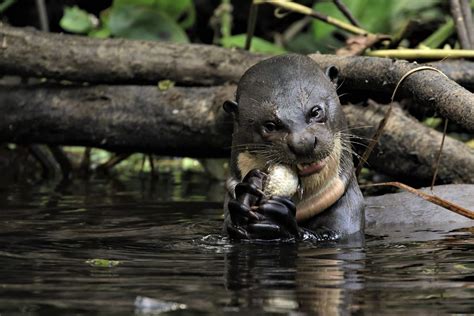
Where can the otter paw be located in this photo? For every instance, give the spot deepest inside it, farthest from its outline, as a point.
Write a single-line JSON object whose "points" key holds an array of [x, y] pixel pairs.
{"points": [[273, 220], [281, 212], [276, 221], [241, 213]]}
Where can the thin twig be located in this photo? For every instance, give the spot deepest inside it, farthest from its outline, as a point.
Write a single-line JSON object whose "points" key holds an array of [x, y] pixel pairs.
{"points": [[84, 166], [348, 14], [112, 162], [62, 159], [378, 133], [459, 22], [48, 165], [42, 15], [421, 53], [295, 28], [468, 23], [152, 165], [428, 197], [299, 8], [438, 156], [251, 25]]}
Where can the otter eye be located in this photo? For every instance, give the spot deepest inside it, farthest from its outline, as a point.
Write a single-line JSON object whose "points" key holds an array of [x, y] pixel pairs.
{"points": [[316, 113], [269, 127]]}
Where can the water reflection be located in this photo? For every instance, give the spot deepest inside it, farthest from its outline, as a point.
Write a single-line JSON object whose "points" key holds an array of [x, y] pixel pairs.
{"points": [[166, 238]]}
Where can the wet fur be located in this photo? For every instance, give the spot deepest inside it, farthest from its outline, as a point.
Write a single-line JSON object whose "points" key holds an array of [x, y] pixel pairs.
{"points": [[270, 93]]}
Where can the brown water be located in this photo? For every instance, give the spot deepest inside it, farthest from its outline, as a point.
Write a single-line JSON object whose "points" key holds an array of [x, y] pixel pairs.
{"points": [[172, 259]]}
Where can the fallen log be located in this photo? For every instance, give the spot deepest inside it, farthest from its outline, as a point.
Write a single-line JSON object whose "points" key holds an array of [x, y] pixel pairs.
{"points": [[27, 52], [176, 122], [407, 148], [461, 71], [190, 122], [427, 88], [32, 53]]}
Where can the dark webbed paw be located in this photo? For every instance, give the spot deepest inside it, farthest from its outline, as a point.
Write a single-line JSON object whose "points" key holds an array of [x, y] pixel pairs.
{"points": [[281, 211], [254, 216], [248, 194]]}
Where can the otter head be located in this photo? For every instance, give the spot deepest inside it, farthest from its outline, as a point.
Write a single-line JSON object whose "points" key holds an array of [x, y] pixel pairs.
{"points": [[287, 111]]}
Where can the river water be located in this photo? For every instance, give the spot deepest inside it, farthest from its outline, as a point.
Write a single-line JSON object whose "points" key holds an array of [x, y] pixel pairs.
{"points": [[141, 247]]}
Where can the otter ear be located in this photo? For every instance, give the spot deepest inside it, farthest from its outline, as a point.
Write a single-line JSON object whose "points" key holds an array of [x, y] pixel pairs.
{"points": [[230, 106], [333, 73]]}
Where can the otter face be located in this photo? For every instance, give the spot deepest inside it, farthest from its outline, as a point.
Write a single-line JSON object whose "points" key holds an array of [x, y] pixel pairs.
{"points": [[288, 112]]}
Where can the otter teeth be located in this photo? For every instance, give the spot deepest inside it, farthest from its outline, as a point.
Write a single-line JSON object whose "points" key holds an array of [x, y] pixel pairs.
{"points": [[306, 169], [302, 166]]}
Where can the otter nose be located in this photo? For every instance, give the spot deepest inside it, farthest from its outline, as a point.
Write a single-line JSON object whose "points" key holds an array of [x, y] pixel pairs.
{"points": [[302, 144]]}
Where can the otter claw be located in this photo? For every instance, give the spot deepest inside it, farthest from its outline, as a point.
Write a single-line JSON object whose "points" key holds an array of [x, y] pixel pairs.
{"points": [[247, 188], [236, 232], [268, 231]]}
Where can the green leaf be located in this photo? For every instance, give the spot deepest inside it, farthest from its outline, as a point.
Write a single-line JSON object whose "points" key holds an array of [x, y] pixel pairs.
{"points": [[76, 20], [376, 16], [164, 85], [103, 263], [5, 4], [103, 32], [118, 3], [433, 122], [144, 22], [373, 15], [470, 143], [259, 45], [175, 9]]}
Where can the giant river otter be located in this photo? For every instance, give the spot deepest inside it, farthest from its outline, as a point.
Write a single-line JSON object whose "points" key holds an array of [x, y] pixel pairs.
{"points": [[287, 112]]}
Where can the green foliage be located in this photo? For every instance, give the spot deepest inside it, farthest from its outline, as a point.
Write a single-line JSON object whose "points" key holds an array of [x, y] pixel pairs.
{"points": [[162, 20], [164, 85], [146, 23], [433, 122], [258, 44], [440, 36], [470, 143], [76, 20], [380, 16], [5, 4], [103, 263]]}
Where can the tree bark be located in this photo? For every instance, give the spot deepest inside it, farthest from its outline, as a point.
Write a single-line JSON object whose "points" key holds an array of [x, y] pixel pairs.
{"points": [[27, 52], [191, 122], [427, 87], [407, 149], [32, 53], [178, 122], [461, 71]]}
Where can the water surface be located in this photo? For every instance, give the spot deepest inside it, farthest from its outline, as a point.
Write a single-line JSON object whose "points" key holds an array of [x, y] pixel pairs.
{"points": [[171, 258]]}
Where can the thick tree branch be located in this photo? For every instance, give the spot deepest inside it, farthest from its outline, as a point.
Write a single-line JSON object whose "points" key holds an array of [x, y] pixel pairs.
{"points": [[178, 122], [191, 122], [408, 149], [32, 53], [428, 88]]}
